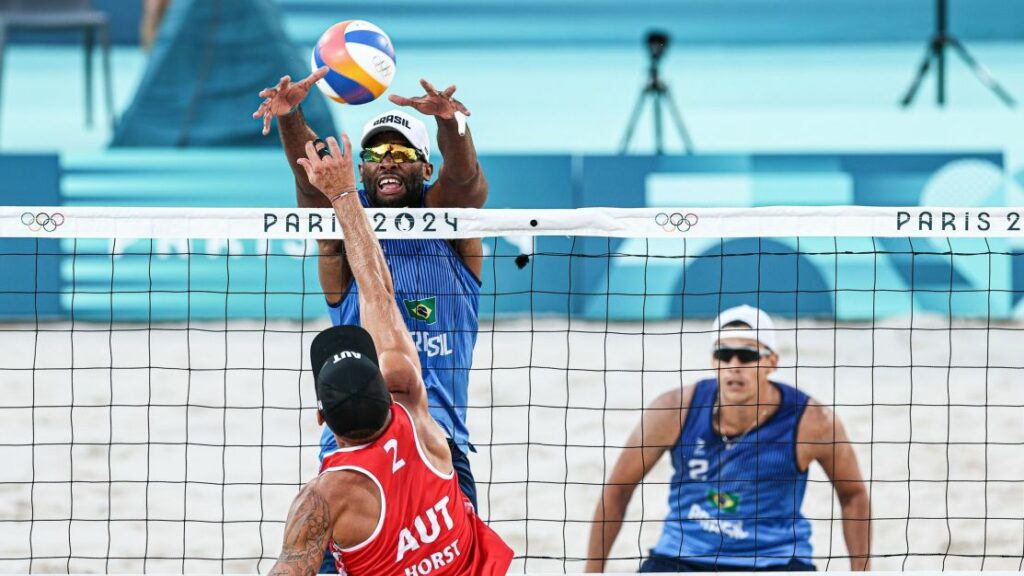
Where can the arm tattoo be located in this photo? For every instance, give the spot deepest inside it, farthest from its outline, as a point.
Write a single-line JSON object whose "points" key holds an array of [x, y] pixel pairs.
{"points": [[305, 535]]}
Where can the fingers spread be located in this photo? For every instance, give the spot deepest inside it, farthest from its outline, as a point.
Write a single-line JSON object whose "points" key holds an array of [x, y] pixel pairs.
{"points": [[263, 108], [347, 143], [316, 76], [428, 86], [311, 154], [399, 100], [332, 143], [449, 91]]}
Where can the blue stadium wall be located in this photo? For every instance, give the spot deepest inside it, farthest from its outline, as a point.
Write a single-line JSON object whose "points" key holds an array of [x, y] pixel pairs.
{"points": [[617, 22], [850, 279]]}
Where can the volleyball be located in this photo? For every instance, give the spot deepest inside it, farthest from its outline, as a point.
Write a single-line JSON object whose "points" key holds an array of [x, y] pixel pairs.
{"points": [[361, 61]]}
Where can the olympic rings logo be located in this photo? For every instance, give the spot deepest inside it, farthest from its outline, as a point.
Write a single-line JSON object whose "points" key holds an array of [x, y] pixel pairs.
{"points": [[42, 221], [676, 221]]}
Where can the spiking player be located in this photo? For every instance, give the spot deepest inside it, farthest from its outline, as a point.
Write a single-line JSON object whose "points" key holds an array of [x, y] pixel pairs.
{"points": [[386, 500], [741, 446]]}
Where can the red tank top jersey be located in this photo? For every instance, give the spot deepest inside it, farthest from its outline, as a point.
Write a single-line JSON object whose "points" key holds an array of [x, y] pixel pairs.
{"points": [[426, 525]]}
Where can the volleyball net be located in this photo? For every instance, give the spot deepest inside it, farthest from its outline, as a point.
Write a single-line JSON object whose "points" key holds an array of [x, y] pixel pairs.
{"points": [[157, 413]]}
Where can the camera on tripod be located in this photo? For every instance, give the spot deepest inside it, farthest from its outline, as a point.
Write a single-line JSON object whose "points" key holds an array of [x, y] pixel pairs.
{"points": [[657, 43]]}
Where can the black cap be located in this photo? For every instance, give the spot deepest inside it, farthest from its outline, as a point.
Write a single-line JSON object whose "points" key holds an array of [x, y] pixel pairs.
{"points": [[350, 390]]}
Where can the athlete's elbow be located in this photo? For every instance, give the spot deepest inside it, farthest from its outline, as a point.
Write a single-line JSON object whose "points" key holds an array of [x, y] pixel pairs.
{"points": [[855, 499], [399, 372]]}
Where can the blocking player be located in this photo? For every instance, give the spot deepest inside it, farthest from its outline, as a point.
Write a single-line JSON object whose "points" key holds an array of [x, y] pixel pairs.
{"points": [[386, 499], [741, 445], [436, 281]]}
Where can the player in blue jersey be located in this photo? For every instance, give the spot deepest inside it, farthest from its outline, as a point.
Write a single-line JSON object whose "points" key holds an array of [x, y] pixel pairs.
{"points": [[436, 281], [741, 445]]}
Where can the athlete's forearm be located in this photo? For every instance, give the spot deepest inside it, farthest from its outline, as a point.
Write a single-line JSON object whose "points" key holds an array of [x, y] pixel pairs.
{"points": [[459, 153], [461, 176], [857, 530], [363, 251], [306, 533], [294, 134], [378, 313], [606, 526], [329, 269]]}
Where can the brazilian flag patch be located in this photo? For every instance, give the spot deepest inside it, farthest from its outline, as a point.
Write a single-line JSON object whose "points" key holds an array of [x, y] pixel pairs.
{"points": [[425, 309], [724, 501]]}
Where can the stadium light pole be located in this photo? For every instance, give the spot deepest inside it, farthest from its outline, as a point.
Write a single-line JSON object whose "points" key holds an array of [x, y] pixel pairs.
{"points": [[936, 51]]}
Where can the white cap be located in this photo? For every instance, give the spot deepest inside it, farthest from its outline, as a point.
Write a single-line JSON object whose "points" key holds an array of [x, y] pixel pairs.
{"points": [[761, 329], [412, 129]]}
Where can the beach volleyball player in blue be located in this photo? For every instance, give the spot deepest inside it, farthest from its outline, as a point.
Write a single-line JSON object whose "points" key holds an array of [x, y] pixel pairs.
{"points": [[436, 281], [741, 445]]}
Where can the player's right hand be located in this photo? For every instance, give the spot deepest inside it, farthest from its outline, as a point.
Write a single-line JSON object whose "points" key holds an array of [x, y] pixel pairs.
{"points": [[285, 96], [330, 168]]}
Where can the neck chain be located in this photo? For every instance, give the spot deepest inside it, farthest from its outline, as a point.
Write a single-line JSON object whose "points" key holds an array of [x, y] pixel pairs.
{"points": [[731, 443]]}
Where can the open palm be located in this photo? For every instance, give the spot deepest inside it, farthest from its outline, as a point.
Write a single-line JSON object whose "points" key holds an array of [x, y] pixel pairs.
{"points": [[285, 96], [433, 103]]}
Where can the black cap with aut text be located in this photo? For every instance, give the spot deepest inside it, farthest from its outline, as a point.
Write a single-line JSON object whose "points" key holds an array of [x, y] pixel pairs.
{"points": [[350, 389]]}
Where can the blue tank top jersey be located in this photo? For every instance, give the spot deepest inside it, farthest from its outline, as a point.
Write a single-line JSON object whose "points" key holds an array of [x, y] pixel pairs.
{"points": [[737, 503], [440, 300]]}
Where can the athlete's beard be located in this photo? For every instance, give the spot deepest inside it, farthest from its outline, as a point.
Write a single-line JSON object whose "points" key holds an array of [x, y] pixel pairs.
{"points": [[411, 199]]}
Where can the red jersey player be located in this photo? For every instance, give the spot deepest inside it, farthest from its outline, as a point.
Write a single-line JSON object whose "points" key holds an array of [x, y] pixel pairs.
{"points": [[387, 500]]}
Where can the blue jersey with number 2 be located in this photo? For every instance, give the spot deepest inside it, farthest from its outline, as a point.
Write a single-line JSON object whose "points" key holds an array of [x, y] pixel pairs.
{"points": [[736, 503]]}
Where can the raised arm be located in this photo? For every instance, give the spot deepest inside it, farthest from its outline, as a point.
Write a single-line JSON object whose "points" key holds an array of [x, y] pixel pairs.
{"points": [[283, 102], [305, 534], [379, 315], [461, 182], [822, 437], [660, 425]]}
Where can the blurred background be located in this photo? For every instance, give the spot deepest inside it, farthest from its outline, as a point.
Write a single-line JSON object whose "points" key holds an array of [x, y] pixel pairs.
{"points": [[791, 102], [556, 77]]}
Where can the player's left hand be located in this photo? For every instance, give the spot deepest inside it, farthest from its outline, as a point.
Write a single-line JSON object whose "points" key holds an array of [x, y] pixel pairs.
{"points": [[329, 167], [433, 103]]}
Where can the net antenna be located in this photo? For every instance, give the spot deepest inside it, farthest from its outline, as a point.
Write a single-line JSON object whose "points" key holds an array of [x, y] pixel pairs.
{"points": [[659, 94], [936, 51]]}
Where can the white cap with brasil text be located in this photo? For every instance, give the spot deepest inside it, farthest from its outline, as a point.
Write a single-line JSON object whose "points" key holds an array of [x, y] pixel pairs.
{"points": [[411, 128], [761, 329]]}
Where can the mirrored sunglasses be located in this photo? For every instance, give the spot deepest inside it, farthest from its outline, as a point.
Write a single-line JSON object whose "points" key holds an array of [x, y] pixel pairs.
{"points": [[399, 154], [746, 354]]}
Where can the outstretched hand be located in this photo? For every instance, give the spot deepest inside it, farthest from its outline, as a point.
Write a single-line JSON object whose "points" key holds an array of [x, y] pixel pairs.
{"points": [[284, 96], [433, 103], [331, 173]]}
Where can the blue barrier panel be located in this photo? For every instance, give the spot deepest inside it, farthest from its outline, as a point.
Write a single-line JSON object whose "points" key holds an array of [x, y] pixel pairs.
{"points": [[658, 279], [29, 268], [592, 278]]}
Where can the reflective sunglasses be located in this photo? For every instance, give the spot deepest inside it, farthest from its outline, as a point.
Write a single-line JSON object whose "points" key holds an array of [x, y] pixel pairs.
{"points": [[746, 354], [399, 154]]}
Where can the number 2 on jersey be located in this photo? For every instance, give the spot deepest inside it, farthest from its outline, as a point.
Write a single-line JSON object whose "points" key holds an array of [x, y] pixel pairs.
{"points": [[698, 468], [396, 462]]}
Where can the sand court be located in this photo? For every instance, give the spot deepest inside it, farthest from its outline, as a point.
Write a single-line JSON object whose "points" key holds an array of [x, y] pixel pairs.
{"points": [[180, 447]]}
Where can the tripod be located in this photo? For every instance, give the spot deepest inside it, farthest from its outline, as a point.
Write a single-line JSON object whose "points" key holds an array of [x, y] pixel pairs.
{"points": [[936, 50], [659, 94]]}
